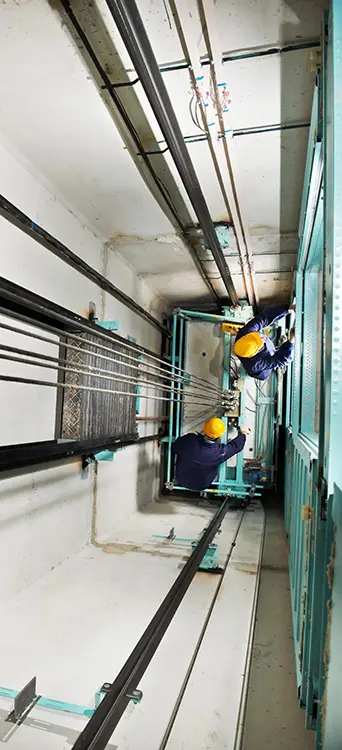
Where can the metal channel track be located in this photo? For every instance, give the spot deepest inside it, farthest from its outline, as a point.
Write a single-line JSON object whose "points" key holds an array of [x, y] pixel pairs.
{"points": [[26, 455], [100, 727]]}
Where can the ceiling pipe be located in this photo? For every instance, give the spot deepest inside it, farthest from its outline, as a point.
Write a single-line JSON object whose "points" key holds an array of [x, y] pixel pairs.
{"points": [[127, 18], [149, 174], [187, 32], [207, 14], [248, 54]]}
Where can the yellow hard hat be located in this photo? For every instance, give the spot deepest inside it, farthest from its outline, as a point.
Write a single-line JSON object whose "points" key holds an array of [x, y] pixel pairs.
{"points": [[214, 428], [249, 345]]}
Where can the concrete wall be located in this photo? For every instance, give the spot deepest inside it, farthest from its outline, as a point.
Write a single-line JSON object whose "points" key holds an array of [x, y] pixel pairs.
{"points": [[45, 516]]}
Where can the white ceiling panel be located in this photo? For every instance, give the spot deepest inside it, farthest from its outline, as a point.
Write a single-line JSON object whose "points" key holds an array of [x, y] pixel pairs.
{"points": [[51, 111]]}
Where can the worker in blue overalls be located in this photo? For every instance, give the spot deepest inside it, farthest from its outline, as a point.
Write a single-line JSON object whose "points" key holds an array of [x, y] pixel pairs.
{"points": [[256, 351], [199, 455]]}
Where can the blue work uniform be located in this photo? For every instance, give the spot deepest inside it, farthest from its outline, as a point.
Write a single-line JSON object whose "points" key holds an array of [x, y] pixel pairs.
{"points": [[198, 459], [268, 358]]}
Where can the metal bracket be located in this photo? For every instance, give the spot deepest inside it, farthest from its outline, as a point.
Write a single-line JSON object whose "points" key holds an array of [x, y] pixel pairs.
{"points": [[109, 325], [135, 695], [307, 513], [24, 702]]}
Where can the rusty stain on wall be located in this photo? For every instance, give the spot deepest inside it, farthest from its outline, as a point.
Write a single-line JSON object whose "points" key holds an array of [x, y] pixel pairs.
{"points": [[326, 655]]}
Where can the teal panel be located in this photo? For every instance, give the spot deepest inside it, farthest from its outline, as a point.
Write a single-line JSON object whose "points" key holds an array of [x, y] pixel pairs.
{"points": [[109, 325], [313, 465], [333, 704]]}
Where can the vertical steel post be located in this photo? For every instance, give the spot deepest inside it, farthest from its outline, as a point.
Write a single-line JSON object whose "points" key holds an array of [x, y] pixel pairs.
{"points": [[172, 398], [179, 385], [225, 387]]}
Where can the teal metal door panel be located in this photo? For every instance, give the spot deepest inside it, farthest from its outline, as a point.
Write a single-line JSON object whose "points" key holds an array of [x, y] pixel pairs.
{"points": [[298, 497], [332, 706], [313, 462]]}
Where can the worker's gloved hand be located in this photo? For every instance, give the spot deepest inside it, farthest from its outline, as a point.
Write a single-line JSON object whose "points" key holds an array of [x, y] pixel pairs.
{"points": [[292, 335], [244, 430], [292, 308]]}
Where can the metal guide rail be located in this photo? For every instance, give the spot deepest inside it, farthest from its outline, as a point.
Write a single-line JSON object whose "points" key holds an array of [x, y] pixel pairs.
{"points": [[112, 699]]}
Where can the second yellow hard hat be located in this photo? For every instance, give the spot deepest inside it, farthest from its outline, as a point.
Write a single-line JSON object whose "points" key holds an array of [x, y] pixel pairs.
{"points": [[214, 428]]}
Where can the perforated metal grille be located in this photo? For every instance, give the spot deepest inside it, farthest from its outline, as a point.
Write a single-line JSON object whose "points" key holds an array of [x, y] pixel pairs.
{"points": [[92, 414], [311, 353]]}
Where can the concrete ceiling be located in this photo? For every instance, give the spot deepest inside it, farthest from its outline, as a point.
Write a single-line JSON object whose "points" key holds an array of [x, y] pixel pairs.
{"points": [[54, 113]]}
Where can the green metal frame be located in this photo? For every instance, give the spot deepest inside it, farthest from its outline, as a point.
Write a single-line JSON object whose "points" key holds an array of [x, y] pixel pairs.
{"points": [[227, 484]]}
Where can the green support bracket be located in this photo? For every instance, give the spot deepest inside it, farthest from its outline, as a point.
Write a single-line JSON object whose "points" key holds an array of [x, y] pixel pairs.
{"points": [[109, 325], [210, 559], [135, 697], [63, 706], [104, 456]]}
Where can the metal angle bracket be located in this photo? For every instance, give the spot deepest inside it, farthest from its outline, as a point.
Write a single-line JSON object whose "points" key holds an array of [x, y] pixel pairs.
{"points": [[135, 695], [210, 561], [24, 702]]}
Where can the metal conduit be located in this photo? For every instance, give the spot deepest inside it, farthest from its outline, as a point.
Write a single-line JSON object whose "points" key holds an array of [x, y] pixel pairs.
{"points": [[128, 345], [111, 376], [89, 389], [86, 369], [144, 368], [94, 370], [132, 30]]}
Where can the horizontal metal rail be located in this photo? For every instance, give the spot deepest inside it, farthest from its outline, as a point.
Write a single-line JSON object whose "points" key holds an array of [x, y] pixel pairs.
{"points": [[44, 238], [17, 301], [100, 727], [31, 454]]}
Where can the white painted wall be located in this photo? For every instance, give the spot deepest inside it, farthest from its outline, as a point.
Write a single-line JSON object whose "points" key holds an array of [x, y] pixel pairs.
{"points": [[45, 516]]}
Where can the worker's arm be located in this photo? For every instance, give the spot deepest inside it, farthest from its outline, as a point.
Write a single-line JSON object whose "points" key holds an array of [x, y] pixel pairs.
{"points": [[264, 319], [233, 447], [281, 358], [284, 355], [176, 446]]}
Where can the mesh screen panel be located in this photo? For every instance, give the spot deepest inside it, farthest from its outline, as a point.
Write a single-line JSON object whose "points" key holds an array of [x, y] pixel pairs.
{"points": [[89, 414]]}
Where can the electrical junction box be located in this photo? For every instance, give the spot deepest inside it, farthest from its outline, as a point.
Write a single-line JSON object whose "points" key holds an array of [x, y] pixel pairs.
{"points": [[232, 328]]}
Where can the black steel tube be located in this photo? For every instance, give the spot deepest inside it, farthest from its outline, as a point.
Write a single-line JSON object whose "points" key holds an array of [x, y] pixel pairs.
{"points": [[246, 55], [100, 727], [127, 18], [110, 88], [27, 225], [30, 454], [271, 128], [22, 304]]}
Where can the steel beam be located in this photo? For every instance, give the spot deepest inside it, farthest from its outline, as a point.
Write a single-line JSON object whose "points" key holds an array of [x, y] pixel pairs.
{"points": [[20, 303], [25, 455], [28, 226], [127, 18]]}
